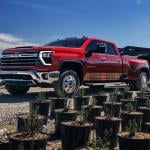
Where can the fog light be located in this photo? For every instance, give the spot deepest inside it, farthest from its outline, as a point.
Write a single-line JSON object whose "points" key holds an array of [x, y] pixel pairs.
{"points": [[45, 76]]}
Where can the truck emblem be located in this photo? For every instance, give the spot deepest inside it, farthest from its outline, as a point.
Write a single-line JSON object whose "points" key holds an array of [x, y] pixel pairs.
{"points": [[15, 55]]}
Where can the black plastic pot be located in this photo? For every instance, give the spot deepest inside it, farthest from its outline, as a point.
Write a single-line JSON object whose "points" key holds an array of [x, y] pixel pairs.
{"points": [[108, 128], [128, 95], [147, 127], [92, 112], [100, 99], [56, 103], [135, 143], [75, 135], [41, 108], [85, 148], [127, 116], [25, 141], [63, 116], [146, 115], [119, 96], [80, 101], [141, 101], [141, 94], [127, 101], [24, 122], [4, 146], [115, 107]]}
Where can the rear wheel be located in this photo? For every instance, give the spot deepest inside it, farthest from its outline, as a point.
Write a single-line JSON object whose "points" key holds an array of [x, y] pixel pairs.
{"points": [[68, 84], [17, 90], [141, 83]]}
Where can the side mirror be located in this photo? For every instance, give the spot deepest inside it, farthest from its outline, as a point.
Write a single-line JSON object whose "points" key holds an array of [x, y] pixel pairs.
{"points": [[101, 47]]}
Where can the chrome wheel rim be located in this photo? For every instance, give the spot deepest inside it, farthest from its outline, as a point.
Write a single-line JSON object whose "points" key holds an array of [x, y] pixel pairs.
{"points": [[69, 84], [143, 82]]}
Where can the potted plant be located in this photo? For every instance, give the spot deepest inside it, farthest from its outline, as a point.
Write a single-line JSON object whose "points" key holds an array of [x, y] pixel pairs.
{"points": [[132, 139], [100, 98], [128, 94], [141, 98], [108, 126], [128, 102], [76, 133], [146, 112], [56, 103], [93, 111], [30, 121], [64, 115], [31, 136], [131, 114], [41, 106], [96, 144], [81, 99], [112, 106], [147, 127]]}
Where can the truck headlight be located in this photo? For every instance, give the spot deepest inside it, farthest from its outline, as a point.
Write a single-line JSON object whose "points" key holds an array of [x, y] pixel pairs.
{"points": [[45, 57]]}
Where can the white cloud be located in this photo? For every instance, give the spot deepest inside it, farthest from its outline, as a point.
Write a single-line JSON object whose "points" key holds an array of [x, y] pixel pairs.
{"points": [[8, 40], [139, 1]]}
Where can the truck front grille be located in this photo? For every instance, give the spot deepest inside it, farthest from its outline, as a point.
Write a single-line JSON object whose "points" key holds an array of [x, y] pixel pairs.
{"points": [[20, 59]]}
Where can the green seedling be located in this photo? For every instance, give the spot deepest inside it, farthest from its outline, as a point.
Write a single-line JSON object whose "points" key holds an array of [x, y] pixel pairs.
{"points": [[132, 128]]}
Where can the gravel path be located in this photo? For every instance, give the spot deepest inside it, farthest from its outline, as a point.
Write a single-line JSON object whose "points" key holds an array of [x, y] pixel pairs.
{"points": [[10, 106]]}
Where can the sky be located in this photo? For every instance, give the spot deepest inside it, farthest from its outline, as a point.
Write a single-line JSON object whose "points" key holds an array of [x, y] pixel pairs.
{"points": [[37, 22]]}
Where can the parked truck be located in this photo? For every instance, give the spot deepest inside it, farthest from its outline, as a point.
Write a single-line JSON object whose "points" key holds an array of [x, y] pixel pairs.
{"points": [[67, 64]]}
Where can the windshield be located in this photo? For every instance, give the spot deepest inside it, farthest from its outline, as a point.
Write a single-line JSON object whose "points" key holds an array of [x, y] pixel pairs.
{"points": [[68, 43]]}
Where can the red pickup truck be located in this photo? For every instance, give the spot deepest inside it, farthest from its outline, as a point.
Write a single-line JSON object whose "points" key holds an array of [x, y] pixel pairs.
{"points": [[66, 64]]}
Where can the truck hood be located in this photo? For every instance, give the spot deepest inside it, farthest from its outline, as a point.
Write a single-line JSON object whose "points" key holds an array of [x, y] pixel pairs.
{"points": [[44, 48]]}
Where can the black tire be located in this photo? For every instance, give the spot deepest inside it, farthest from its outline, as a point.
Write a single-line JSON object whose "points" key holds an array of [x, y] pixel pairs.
{"points": [[141, 83], [59, 87], [17, 90]]}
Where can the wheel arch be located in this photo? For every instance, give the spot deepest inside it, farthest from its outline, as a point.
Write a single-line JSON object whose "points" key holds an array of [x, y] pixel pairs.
{"points": [[146, 70], [73, 65]]}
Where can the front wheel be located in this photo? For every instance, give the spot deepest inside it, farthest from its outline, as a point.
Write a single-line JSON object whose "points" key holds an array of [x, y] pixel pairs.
{"points": [[141, 83], [17, 90], [68, 84]]}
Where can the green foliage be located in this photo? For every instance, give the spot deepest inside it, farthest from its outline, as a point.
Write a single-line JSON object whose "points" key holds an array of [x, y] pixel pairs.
{"points": [[41, 96], [129, 107], [81, 92], [132, 128], [110, 112], [147, 103], [142, 93], [100, 144], [33, 124], [83, 114], [113, 97]]}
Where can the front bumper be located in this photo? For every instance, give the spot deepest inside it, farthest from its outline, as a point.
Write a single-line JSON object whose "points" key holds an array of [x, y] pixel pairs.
{"points": [[28, 78]]}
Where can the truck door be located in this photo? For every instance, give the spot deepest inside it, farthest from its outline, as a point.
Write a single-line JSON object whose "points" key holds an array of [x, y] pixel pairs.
{"points": [[102, 62], [96, 62], [114, 63]]}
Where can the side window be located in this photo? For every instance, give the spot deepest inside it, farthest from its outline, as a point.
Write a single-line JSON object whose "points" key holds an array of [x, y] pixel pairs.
{"points": [[96, 47], [111, 49], [92, 46]]}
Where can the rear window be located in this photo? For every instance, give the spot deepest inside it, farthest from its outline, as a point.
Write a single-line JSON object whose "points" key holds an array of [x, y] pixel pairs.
{"points": [[68, 43]]}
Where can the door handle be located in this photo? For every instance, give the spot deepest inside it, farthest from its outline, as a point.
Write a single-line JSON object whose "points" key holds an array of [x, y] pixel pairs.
{"points": [[103, 59], [119, 61]]}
